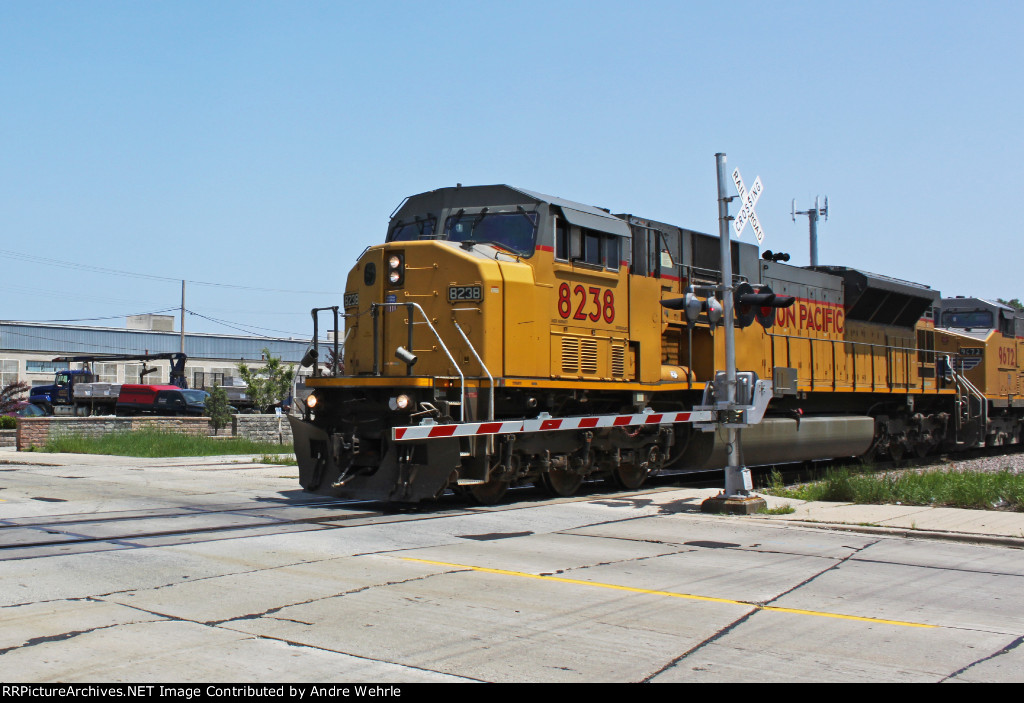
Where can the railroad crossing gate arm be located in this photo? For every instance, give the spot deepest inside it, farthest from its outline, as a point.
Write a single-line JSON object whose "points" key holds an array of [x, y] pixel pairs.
{"points": [[545, 423]]}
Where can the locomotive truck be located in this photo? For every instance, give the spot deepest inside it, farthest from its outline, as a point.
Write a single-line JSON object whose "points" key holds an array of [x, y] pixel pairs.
{"points": [[501, 336]]}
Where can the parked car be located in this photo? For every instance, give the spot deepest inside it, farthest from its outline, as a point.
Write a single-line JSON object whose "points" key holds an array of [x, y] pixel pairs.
{"points": [[23, 408], [30, 410]]}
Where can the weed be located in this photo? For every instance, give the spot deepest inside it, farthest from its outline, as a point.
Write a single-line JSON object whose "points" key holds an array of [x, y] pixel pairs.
{"points": [[958, 489], [276, 459], [781, 510]]}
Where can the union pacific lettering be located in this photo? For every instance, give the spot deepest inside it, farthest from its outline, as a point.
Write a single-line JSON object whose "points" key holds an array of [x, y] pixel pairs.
{"points": [[812, 315]]}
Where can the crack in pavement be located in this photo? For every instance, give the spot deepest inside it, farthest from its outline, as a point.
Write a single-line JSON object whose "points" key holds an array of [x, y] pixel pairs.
{"points": [[35, 641], [219, 624], [756, 608], [341, 594], [1008, 648]]}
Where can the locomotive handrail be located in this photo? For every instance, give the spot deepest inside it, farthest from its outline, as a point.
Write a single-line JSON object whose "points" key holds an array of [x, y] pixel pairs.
{"points": [[490, 378], [315, 312], [888, 347], [374, 307], [971, 390]]}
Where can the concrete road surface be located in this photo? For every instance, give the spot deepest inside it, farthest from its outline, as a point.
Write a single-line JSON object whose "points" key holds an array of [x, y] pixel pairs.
{"points": [[214, 570]]}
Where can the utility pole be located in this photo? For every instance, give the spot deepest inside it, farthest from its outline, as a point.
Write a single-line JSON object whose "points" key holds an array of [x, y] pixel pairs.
{"points": [[183, 316], [812, 218]]}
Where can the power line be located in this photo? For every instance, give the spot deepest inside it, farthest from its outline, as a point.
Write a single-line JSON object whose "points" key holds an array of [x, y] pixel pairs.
{"points": [[233, 326], [110, 317], [77, 266]]}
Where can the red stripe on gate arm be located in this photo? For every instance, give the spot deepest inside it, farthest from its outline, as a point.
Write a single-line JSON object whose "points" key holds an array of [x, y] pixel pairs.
{"points": [[489, 428], [399, 432], [653, 419], [551, 424], [682, 417], [622, 420], [442, 431], [588, 422]]}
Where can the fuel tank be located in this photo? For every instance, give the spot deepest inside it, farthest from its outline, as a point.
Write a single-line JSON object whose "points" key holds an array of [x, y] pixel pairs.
{"points": [[783, 441]]}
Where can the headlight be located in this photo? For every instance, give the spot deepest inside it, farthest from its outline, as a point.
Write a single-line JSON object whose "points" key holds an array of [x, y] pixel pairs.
{"points": [[396, 269], [401, 402], [311, 402]]}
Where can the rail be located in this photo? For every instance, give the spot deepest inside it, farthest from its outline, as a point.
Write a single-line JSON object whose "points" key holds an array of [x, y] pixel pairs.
{"points": [[895, 378], [963, 384], [315, 312], [490, 378]]}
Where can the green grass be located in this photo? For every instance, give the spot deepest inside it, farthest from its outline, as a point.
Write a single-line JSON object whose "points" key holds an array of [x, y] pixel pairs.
{"points": [[781, 510], [1002, 490], [152, 443]]}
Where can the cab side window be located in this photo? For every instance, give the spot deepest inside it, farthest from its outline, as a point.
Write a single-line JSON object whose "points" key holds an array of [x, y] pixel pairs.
{"points": [[561, 239]]}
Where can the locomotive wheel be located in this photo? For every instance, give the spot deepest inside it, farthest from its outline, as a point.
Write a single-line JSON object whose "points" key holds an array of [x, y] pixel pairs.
{"points": [[562, 483], [629, 476], [897, 451], [491, 492]]}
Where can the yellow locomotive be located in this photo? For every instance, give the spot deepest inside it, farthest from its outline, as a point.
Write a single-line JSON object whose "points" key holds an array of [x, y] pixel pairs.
{"points": [[502, 336]]}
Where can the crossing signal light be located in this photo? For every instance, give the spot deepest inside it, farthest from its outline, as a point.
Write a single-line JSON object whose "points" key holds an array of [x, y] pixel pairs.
{"points": [[693, 307], [750, 303], [758, 303]]}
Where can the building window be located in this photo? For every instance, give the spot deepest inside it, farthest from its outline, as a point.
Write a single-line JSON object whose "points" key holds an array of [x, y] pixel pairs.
{"points": [[132, 374], [45, 366], [105, 373], [8, 371], [207, 379]]}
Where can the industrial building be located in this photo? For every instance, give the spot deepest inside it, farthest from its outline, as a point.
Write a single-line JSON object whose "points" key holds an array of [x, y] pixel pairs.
{"points": [[28, 349]]}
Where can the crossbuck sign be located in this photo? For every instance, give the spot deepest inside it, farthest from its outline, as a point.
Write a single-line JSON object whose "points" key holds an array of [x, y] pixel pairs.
{"points": [[748, 200]]}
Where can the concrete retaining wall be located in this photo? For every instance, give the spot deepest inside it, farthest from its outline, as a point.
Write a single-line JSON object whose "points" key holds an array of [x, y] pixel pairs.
{"points": [[262, 428], [37, 431]]}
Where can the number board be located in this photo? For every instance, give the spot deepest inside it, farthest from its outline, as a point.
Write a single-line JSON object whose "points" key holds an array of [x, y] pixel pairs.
{"points": [[351, 300], [459, 293]]}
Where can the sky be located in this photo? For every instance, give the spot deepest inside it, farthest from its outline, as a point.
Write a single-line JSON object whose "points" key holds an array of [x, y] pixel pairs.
{"points": [[254, 149]]}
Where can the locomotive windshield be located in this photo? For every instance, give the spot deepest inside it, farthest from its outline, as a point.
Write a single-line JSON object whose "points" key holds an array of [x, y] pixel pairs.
{"points": [[967, 319], [408, 231], [515, 231]]}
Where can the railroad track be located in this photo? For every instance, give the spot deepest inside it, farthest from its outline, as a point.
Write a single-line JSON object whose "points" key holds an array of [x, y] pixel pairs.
{"points": [[39, 536], [30, 537]]}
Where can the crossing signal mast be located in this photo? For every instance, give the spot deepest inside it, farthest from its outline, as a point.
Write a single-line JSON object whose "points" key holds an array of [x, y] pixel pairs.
{"points": [[740, 305], [812, 216]]}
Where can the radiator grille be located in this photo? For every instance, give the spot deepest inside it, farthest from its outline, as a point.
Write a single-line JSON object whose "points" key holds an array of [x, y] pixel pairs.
{"points": [[570, 355], [588, 357], [618, 361]]}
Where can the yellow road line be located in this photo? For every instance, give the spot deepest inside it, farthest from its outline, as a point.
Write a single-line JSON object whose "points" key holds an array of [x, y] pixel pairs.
{"points": [[671, 594]]}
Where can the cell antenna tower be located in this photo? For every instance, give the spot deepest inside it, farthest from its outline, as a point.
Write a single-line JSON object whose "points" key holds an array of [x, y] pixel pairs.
{"points": [[812, 216]]}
